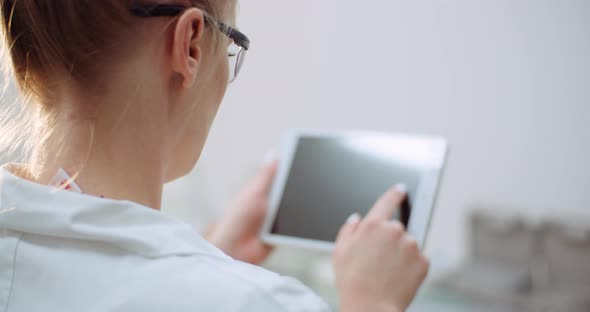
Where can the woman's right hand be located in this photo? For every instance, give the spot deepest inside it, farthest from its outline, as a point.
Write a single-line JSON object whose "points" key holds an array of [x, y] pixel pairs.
{"points": [[378, 267]]}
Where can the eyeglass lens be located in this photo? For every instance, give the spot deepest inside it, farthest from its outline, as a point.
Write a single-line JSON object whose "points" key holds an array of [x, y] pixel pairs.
{"points": [[236, 55]]}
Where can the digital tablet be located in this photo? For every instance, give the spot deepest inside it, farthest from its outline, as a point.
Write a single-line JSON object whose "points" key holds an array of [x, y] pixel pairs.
{"points": [[324, 177]]}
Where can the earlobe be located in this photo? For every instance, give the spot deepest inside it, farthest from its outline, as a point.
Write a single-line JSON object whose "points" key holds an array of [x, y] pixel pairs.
{"points": [[191, 76], [186, 45]]}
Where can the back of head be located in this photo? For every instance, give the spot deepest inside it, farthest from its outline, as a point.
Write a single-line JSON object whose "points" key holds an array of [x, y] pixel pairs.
{"points": [[47, 42], [47, 39]]}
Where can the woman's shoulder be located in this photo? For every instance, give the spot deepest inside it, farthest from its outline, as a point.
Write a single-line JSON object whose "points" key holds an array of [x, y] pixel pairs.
{"points": [[224, 284]]}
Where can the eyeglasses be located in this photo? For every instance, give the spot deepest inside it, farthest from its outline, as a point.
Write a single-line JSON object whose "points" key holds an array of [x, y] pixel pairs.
{"points": [[236, 51]]}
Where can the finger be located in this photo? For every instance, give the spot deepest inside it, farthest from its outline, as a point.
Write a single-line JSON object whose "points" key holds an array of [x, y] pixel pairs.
{"points": [[420, 266], [265, 176], [425, 266], [263, 252], [350, 226], [396, 230], [254, 252], [386, 206], [410, 247]]}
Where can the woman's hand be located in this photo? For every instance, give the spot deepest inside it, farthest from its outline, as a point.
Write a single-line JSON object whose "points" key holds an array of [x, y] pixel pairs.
{"points": [[237, 232], [378, 266]]}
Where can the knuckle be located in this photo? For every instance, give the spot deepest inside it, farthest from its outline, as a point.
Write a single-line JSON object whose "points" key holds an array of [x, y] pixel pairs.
{"points": [[372, 223], [397, 229], [426, 262], [424, 266], [410, 244]]}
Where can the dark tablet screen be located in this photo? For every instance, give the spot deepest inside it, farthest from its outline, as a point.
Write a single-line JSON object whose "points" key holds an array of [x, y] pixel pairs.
{"points": [[332, 178]]}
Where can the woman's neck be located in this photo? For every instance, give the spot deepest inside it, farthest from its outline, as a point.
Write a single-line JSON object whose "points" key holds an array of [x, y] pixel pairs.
{"points": [[119, 159]]}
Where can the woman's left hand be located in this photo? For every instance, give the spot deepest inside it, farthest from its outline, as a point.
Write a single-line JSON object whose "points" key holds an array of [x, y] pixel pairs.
{"points": [[236, 233]]}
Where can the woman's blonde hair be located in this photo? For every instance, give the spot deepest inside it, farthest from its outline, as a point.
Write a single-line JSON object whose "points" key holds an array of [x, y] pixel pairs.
{"points": [[47, 40]]}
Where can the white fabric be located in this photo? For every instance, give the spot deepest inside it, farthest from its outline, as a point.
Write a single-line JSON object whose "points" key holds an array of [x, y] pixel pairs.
{"points": [[64, 251]]}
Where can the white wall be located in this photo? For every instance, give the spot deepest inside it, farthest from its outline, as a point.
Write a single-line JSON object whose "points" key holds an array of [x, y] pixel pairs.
{"points": [[507, 82]]}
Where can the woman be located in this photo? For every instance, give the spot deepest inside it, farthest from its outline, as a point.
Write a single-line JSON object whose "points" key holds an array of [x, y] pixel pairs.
{"points": [[122, 95]]}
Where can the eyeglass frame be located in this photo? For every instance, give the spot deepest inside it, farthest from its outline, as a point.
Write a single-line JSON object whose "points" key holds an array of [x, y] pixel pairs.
{"points": [[159, 10]]}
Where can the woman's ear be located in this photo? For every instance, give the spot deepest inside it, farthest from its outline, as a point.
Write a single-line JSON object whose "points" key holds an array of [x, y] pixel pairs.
{"points": [[186, 46]]}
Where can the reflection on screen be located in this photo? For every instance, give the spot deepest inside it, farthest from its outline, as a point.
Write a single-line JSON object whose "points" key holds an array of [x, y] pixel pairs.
{"points": [[332, 178]]}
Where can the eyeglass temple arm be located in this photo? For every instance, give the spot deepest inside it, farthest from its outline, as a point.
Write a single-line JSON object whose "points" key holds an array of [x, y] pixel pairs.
{"points": [[157, 10], [173, 10]]}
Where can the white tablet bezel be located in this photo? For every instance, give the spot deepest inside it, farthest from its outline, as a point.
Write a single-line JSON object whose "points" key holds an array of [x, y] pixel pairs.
{"points": [[423, 203]]}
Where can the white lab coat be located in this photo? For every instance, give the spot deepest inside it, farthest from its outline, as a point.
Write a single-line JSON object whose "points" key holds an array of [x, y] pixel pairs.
{"points": [[64, 251]]}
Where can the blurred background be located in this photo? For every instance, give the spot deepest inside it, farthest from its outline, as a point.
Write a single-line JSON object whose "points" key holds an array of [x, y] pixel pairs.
{"points": [[506, 82]]}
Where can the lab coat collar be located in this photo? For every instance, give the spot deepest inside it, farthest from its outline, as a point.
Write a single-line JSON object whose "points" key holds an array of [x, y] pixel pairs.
{"points": [[33, 208]]}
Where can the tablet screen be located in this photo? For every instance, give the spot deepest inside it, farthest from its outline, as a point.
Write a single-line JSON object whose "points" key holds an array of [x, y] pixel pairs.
{"points": [[332, 177]]}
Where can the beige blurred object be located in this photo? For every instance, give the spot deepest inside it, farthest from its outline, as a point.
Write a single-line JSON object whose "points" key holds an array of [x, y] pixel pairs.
{"points": [[497, 271], [564, 284], [518, 265], [502, 240]]}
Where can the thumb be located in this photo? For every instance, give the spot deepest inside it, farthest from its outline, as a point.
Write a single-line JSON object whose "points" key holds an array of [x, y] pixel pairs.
{"points": [[349, 227]]}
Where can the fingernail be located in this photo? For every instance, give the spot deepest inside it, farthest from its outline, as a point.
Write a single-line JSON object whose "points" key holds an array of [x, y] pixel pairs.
{"points": [[355, 217], [270, 156], [401, 187]]}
